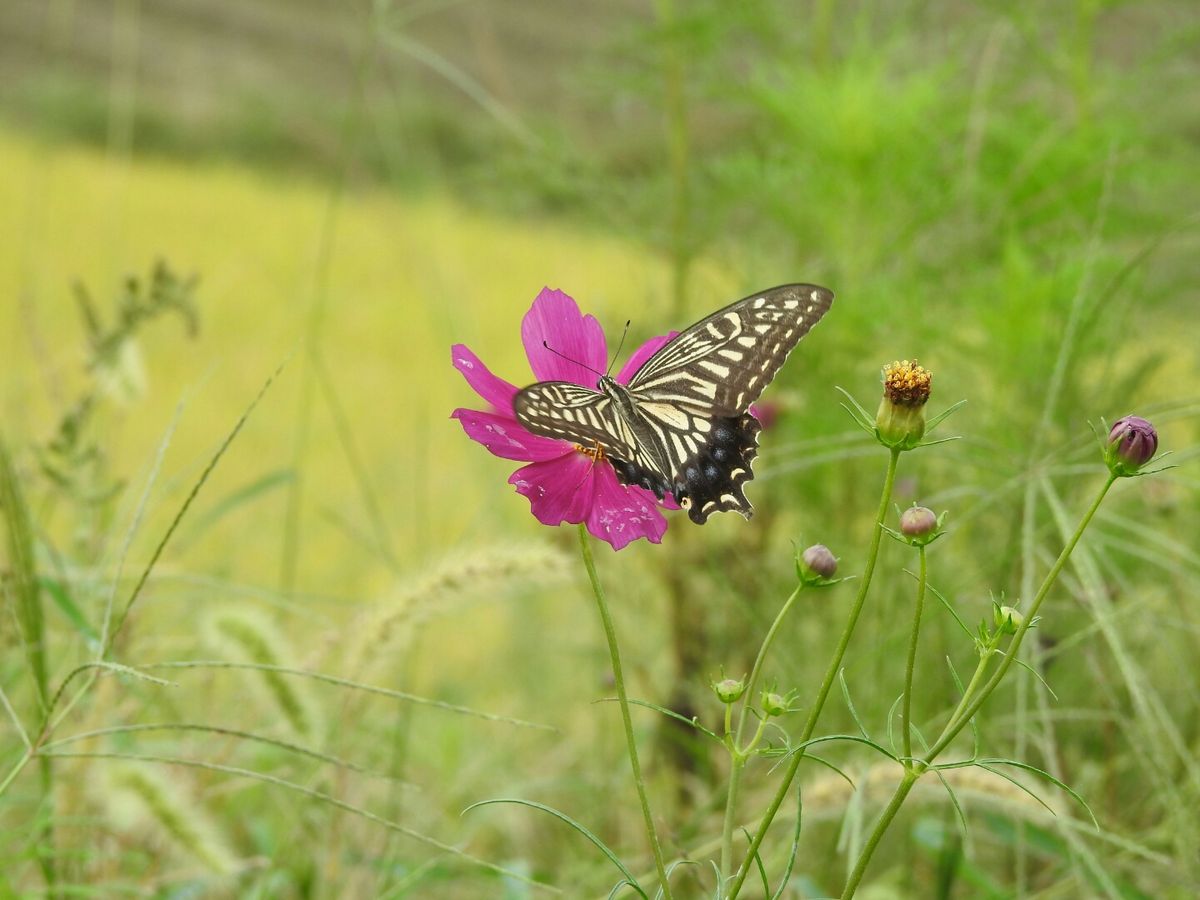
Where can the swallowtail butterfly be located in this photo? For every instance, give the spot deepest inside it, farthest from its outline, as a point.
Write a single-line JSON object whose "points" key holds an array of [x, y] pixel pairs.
{"points": [[682, 424]]}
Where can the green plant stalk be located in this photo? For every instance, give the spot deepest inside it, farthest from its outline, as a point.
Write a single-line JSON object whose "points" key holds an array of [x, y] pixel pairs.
{"points": [[910, 664], [30, 617], [737, 753], [610, 633], [835, 665], [971, 700]]}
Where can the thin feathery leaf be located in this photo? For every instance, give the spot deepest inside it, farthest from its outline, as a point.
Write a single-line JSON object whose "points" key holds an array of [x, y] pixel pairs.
{"points": [[946, 603], [795, 848], [850, 704], [187, 503], [561, 816], [758, 863], [695, 723], [937, 420]]}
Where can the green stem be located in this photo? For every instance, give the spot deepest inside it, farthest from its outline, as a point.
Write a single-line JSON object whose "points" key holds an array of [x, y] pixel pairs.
{"points": [[835, 665], [906, 714], [971, 701], [893, 807], [968, 711], [610, 633], [737, 752]]}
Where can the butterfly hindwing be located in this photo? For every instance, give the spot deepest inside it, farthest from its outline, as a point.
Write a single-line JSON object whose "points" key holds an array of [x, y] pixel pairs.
{"points": [[682, 425]]}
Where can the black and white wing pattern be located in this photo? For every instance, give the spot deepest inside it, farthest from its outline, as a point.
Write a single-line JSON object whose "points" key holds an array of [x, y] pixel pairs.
{"points": [[722, 363], [589, 418], [682, 424]]}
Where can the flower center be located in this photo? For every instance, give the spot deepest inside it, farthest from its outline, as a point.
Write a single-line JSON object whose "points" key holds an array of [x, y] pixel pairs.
{"points": [[596, 452]]}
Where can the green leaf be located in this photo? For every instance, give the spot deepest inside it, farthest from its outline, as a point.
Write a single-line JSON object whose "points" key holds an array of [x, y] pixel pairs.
{"points": [[850, 704], [667, 712]]}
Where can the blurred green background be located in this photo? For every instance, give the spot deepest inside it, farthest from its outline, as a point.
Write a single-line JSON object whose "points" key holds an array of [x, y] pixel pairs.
{"points": [[1006, 191]]}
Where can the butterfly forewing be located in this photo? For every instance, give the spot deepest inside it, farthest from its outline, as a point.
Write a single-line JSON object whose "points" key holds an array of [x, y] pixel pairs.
{"points": [[721, 364]]}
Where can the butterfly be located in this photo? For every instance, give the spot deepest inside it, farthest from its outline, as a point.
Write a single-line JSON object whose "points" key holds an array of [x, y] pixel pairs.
{"points": [[682, 424]]}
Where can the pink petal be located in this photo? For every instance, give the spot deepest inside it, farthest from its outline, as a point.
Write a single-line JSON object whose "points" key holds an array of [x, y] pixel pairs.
{"points": [[503, 436], [495, 391], [620, 513], [559, 490], [642, 354], [555, 319]]}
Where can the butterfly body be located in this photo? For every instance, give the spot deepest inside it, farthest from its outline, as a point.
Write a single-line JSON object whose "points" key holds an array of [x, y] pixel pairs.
{"points": [[682, 424]]}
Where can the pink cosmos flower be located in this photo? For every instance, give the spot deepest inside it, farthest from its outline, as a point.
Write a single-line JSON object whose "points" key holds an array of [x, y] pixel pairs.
{"points": [[562, 482]]}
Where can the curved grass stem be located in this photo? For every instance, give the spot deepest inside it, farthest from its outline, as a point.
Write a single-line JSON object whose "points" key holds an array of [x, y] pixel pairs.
{"points": [[610, 633]]}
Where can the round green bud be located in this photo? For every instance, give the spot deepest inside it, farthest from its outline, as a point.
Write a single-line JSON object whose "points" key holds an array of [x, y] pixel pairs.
{"points": [[729, 690], [774, 704], [1007, 619]]}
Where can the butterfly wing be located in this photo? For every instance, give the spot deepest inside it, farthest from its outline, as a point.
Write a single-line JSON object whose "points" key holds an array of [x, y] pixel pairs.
{"points": [[561, 409], [721, 364], [695, 392], [689, 431]]}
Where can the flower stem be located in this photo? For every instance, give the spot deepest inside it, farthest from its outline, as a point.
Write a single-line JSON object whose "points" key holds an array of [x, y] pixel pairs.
{"points": [[737, 752], [893, 807], [968, 707], [614, 653], [835, 665], [906, 714], [971, 701]]}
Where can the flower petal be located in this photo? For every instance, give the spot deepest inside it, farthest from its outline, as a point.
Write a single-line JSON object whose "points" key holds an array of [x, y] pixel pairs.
{"points": [[503, 436], [495, 391], [555, 319], [642, 354], [559, 490], [620, 513]]}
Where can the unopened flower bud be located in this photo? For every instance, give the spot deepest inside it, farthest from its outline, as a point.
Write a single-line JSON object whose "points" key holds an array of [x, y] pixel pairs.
{"points": [[900, 422], [774, 704], [920, 526], [1132, 443], [729, 690], [816, 564], [1007, 618]]}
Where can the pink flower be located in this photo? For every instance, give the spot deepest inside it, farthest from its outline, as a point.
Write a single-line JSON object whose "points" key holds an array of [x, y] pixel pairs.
{"points": [[562, 482]]}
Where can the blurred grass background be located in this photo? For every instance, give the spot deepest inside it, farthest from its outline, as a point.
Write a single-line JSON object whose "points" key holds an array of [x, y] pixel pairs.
{"points": [[1006, 191]]}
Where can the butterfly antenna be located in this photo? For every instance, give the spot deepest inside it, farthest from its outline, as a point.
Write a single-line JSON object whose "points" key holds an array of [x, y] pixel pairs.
{"points": [[617, 355], [546, 344]]}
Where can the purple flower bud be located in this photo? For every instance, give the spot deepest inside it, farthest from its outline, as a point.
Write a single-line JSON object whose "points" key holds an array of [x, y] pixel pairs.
{"points": [[817, 563], [1132, 443], [918, 521]]}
